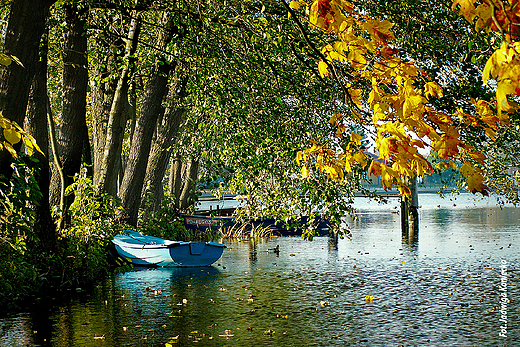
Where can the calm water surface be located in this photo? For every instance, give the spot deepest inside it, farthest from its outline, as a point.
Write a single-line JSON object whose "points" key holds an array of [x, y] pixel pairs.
{"points": [[443, 291]]}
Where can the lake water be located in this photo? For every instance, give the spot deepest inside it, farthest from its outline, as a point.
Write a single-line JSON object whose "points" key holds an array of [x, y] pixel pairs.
{"points": [[372, 290]]}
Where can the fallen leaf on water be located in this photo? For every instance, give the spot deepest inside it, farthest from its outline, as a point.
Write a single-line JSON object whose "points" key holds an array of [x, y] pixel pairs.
{"points": [[324, 303], [102, 337], [269, 332], [369, 298]]}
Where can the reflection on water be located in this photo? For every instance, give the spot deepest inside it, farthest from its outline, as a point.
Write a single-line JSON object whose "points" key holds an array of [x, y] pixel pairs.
{"points": [[443, 291]]}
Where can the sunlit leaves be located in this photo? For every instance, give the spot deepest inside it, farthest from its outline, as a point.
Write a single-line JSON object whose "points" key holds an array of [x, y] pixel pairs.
{"points": [[474, 178], [13, 134], [295, 5], [379, 30], [503, 65], [6, 59], [432, 89], [466, 8], [323, 69], [401, 117]]}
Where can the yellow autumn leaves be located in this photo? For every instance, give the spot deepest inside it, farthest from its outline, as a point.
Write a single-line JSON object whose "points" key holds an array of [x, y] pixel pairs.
{"points": [[398, 103], [329, 162], [13, 134], [503, 65]]}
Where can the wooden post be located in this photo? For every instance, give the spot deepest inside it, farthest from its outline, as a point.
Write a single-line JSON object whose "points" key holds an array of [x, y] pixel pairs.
{"points": [[410, 213]]}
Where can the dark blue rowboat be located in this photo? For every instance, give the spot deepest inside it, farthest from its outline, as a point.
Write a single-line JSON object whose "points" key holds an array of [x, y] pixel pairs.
{"points": [[144, 250], [291, 228]]}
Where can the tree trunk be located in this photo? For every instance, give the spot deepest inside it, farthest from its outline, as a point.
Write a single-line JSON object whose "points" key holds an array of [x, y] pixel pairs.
{"points": [[160, 155], [133, 179], [73, 130], [175, 179], [107, 171], [187, 195], [410, 214], [182, 181], [36, 125], [166, 134], [103, 87], [24, 31]]}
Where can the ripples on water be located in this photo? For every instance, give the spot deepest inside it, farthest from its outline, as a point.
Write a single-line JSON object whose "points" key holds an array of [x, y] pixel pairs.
{"points": [[444, 291]]}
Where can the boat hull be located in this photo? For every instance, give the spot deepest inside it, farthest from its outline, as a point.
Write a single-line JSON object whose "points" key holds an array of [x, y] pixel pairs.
{"points": [[196, 253], [143, 250], [205, 223]]}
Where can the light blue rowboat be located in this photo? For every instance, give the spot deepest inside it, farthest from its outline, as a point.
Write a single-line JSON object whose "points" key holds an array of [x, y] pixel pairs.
{"points": [[144, 250]]}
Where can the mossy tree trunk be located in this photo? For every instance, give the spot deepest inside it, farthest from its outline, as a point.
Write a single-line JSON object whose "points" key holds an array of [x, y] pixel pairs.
{"points": [[151, 110], [73, 128]]}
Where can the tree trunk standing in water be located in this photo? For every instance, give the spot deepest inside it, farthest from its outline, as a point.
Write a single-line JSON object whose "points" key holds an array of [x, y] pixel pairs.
{"points": [[166, 134], [107, 166], [410, 213], [155, 91], [36, 125], [73, 130], [26, 26]]}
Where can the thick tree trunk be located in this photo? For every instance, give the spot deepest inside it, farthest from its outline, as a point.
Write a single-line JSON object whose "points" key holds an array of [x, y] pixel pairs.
{"points": [[24, 31], [103, 87], [107, 171], [133, 179], [36, 125], [73, 130], [166, 134], [160, 155]]}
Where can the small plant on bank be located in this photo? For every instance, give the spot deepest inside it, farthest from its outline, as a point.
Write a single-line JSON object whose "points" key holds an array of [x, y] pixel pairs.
{"points": [[18, 270], [83, 245]]}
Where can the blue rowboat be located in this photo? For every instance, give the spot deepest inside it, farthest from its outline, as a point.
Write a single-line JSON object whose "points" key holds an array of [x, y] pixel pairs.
{"points": [[144, 250]]}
